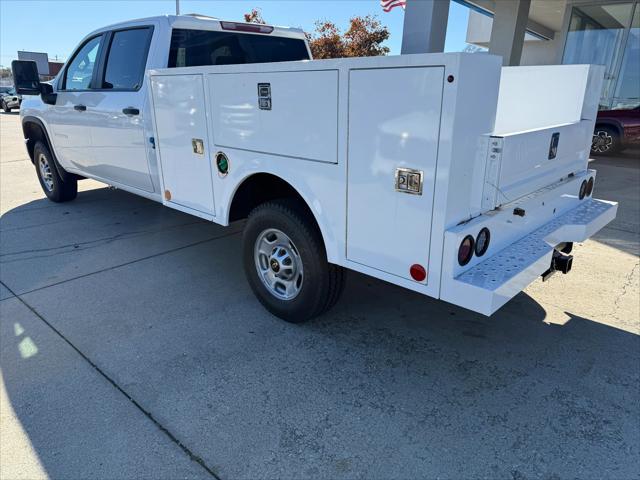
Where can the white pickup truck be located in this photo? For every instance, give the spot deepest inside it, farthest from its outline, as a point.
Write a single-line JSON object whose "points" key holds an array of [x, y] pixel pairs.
{"points": [[443, 173]]}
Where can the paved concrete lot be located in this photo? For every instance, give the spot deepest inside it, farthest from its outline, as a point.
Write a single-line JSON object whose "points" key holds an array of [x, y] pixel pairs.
{"points": [[132, 347]]}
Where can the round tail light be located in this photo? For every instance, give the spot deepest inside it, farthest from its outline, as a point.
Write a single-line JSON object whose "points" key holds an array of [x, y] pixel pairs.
{"points": [[583, 190], [418, 272], [465, 252], [589, 187], [482, 242]]}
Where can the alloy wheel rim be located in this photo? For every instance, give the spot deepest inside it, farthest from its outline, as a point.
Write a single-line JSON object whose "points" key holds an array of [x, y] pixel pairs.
{"points": [[602, 141], [45, 172], [278, 264]]}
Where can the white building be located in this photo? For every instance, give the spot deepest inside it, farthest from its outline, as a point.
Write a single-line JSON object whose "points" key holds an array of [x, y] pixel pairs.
{"points": [[542, 32]]}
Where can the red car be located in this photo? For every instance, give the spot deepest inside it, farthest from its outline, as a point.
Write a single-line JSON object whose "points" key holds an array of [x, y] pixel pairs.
{"points": [[616, 130]]}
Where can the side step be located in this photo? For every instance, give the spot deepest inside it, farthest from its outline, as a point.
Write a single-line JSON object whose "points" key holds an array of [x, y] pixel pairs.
{"points": [[490, 284]]}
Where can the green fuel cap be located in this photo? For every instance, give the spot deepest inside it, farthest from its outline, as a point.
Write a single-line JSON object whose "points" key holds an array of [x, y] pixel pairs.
{"points": [[222, 162]]}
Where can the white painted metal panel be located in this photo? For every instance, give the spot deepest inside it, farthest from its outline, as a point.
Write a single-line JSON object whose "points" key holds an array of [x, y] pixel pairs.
{"points": [[179, 102], [543, 96], [394, 121], [301, 122], [528, 165]]}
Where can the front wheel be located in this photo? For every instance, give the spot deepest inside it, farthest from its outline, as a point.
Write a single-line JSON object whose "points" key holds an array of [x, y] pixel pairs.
{"points": [[5, 107], [286, 264], [56, 189]]}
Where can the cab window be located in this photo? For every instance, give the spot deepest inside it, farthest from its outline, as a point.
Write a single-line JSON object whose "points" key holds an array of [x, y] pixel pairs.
{"points": [[127, 58], [191, 48], [80, 71]]}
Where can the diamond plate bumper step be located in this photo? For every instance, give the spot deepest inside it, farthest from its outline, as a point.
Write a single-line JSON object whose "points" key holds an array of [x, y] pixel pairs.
{"points": [[495, 281]]}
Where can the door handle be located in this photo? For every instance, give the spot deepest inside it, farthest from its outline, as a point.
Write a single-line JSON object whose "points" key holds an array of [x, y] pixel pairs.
{"points": [[80, 108], [130, 111]]}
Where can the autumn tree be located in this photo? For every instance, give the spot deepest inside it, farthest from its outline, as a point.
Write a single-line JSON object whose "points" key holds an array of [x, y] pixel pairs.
{"points": [[254, 16], [364, 38]]}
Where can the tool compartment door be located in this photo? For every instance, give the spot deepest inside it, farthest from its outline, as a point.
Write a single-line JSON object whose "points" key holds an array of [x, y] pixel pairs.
{"points": [[290, 114], [181, 125], [394, 123]]}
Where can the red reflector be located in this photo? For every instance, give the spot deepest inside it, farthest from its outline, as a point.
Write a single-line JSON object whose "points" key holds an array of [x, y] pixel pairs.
{"points": [[246, 27], [418, 272]]}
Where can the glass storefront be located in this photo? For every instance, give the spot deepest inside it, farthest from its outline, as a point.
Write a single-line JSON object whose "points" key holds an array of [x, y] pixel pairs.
{"points": [[609, 35]]}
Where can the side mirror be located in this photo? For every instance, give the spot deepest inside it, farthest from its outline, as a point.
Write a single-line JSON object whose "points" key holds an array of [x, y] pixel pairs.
{"points": [[25, 77]]}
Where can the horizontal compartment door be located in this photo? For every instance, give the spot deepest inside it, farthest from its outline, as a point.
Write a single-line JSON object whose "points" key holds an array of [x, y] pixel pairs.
{"points": [[394, 119], [535, 159], [179, 108], [291, 114]]}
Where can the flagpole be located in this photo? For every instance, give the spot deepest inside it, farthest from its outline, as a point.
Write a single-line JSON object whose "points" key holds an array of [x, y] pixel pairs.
{"points": [[177, 7]]}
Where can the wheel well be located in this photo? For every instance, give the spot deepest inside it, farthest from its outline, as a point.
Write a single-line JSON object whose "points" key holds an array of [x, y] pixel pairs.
{"points": [[613, 126], [33, 133], [260, 188]]}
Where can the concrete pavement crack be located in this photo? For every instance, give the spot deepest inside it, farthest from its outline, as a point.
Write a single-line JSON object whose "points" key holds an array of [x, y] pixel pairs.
{"points": [[200, 242], [84, 245], [627, 284]]}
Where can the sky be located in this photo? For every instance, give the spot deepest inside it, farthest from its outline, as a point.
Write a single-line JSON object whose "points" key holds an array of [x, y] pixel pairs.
{"points": [[56, 26]]}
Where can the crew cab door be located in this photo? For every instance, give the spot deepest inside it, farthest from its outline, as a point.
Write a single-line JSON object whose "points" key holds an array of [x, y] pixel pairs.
{"points": [[70, 118], [118, 110]]}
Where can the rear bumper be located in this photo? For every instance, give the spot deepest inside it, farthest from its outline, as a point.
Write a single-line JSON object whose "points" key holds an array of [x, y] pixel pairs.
{"points": [[492, 283], [521, 247]]}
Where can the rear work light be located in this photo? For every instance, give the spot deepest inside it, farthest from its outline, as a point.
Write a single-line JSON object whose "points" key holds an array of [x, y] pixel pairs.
{"points": [[465, 252], [589, 187], [482, 242], [246, 27], [583, 190]]}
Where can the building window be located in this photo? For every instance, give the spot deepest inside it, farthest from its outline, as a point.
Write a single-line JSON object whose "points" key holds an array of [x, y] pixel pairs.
{"points": [[627, 92], [596, 34]]}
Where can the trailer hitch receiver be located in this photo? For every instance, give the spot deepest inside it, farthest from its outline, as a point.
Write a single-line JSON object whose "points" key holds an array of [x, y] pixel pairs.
{"points": [[559, 263]]}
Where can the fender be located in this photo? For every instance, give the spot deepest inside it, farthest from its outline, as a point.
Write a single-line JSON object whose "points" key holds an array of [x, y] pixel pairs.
{"points": [[328, 235], [66, 176], [610, 122]]}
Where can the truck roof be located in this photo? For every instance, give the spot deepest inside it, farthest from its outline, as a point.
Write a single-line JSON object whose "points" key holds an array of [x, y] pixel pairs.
{"points": [[196, 20]]}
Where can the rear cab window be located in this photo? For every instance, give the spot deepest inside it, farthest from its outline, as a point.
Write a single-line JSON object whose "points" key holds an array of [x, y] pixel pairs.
{"points": [[126, 59], [193, 48]]}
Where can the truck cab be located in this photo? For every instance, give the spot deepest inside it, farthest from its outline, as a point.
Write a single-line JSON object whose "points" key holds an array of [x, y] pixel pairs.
{"points": [[97, 116]]}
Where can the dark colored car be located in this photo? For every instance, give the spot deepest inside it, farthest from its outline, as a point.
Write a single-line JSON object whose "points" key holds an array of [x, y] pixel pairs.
{"points": [[9, 99], [616, 130]]}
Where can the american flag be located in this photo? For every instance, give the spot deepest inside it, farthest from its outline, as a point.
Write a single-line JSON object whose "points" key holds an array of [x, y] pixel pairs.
{"points": [[387, 5]]}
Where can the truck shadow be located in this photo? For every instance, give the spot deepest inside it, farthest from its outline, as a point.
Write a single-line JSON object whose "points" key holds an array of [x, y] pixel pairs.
{"points": [[389, 384]]}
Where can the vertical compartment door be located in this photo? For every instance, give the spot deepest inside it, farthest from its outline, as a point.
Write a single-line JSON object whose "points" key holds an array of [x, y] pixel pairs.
{"points": [[394, 119], [183, 146]]}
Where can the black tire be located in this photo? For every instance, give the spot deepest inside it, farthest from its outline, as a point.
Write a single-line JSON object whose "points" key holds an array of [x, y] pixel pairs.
{"points": [[606, 140], [5, 107], [53, 186], [322, 282]]}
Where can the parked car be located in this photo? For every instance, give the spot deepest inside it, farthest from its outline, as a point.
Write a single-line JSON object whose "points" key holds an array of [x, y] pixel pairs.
{"points": [[616, 130], [10, 99]]}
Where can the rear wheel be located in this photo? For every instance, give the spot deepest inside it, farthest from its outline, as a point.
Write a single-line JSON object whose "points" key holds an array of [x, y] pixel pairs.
{"points": [[286, 264], [605, 140], [56, 189]]}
